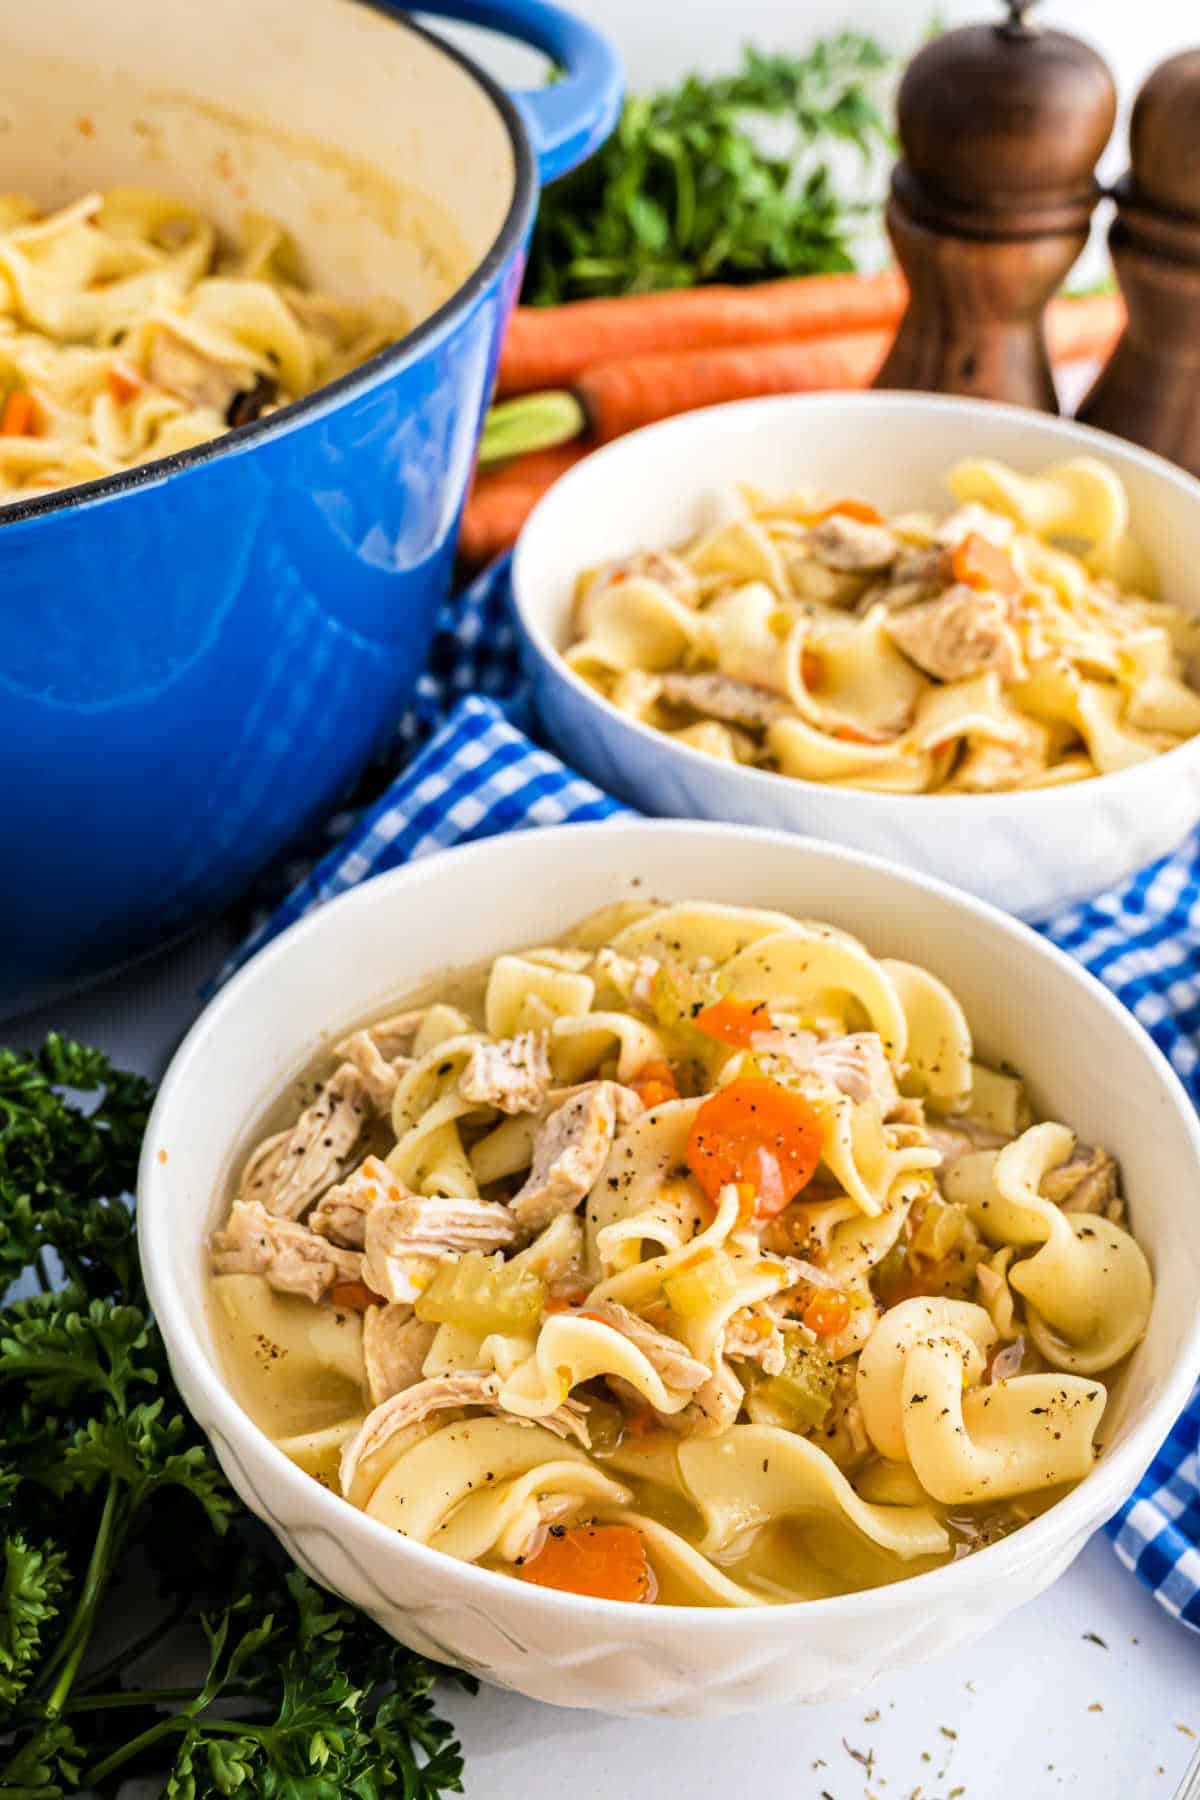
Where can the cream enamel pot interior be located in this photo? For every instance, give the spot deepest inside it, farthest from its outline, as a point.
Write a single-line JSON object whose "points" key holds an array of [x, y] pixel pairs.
{"points": [[1086, 1060], [199, 654], [1030, 853]]}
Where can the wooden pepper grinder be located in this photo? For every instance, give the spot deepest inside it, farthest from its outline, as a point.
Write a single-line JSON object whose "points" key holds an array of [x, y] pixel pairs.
{"points": [[1150, 389], [1001, 127]]}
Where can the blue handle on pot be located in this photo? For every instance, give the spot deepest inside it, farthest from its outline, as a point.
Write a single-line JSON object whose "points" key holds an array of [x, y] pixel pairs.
{"points": [[567, 119]]}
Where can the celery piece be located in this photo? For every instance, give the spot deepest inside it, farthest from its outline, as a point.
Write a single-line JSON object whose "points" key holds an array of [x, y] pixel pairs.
{"points": [[891, 1274], [707, 1283], [941, 1226], [804, 1390], [679, 993], [605, 1423], [484, 1295], [531, 422], [998, 1101]]}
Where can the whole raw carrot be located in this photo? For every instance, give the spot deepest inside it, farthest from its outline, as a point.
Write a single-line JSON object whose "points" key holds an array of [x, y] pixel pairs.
{"points": [[549, 346], [502, 499], [1085, 326], [621, 396]]}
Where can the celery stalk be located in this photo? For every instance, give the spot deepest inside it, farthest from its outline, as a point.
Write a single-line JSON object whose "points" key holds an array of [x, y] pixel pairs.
{"points": [[483, 1295]]}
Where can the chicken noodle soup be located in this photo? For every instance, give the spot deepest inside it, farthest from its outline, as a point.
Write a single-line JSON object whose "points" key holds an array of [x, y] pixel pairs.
{"points": [[129, 331], [694, 1257], [1014, 644]]}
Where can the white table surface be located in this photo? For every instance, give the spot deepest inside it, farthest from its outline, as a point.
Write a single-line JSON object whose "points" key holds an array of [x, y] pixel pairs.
{"points": [[1036, 1711]]}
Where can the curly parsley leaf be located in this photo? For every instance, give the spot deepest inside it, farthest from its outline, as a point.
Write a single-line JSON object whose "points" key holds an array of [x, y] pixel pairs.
{"points": [[65, 1167], [302, 1698], [42, 1764], [691, 188], [59, 1344], [145, 1451], [34, 1576]]}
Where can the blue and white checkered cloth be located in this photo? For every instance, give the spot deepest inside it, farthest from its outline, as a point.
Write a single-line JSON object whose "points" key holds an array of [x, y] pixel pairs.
{"points": [[468, 769]]}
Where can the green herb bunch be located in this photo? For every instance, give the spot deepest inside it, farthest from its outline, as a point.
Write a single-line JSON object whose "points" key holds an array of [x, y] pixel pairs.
{"points": [[108, 1490], [684, 192]]}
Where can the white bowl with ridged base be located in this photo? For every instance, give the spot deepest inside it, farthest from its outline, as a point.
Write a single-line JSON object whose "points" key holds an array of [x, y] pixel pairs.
{"points": [[1086, 1061], [1030, 853]]}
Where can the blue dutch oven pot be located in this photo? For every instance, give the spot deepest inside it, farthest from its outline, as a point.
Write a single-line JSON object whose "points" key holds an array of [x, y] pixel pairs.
{"points": [[199, 655]]}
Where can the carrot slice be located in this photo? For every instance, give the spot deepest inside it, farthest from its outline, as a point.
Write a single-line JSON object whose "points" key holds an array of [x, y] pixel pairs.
{"points": [[853, 509], [980, 564], [20, 417], [354, 1296], [655, 1084], [733, 1021], [747, 1201], [850, 734], [827, 1314], [757, 1132], [812, 669], [124, 382], [608, 1562]]}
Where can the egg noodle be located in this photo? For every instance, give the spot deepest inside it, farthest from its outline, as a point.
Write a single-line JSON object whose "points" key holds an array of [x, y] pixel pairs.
{"points": [[693, 1258], [1014, 645], [130, 330]]}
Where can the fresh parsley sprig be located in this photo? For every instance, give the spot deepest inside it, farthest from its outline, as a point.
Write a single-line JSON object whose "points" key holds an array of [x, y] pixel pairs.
{"points": [[106, 1483], [685, 190]]}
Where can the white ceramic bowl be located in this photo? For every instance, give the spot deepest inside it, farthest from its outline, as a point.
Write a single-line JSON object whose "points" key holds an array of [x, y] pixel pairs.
{"points": [[1030, 853], [1086, 1060]]}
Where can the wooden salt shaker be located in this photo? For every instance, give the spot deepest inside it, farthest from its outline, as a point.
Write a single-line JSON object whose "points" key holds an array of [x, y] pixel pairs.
{"points": [[1001, 127], [1150, 389]]}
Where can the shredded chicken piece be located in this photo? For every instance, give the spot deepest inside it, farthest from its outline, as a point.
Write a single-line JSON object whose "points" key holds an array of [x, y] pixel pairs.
{"points": [[391, 1037], [918, 573], [570, 1150], [962, 633], [513, 1074], [668, 570], [262, 1167], [289, 1256], [469, 1387], [715, 1407], [858, 1067], [721, 697], [316, 1147], [1085, 1183], [991, 1276], [381, 1077], [852, 546], [428, 1226], [669, 1358], [395, 1345], [988, 768], [341, 1212], [753, 1335], [645, 974], [955, 1137], [182, 370], [843, 1436], [1007, 1362], [928, 564]]}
